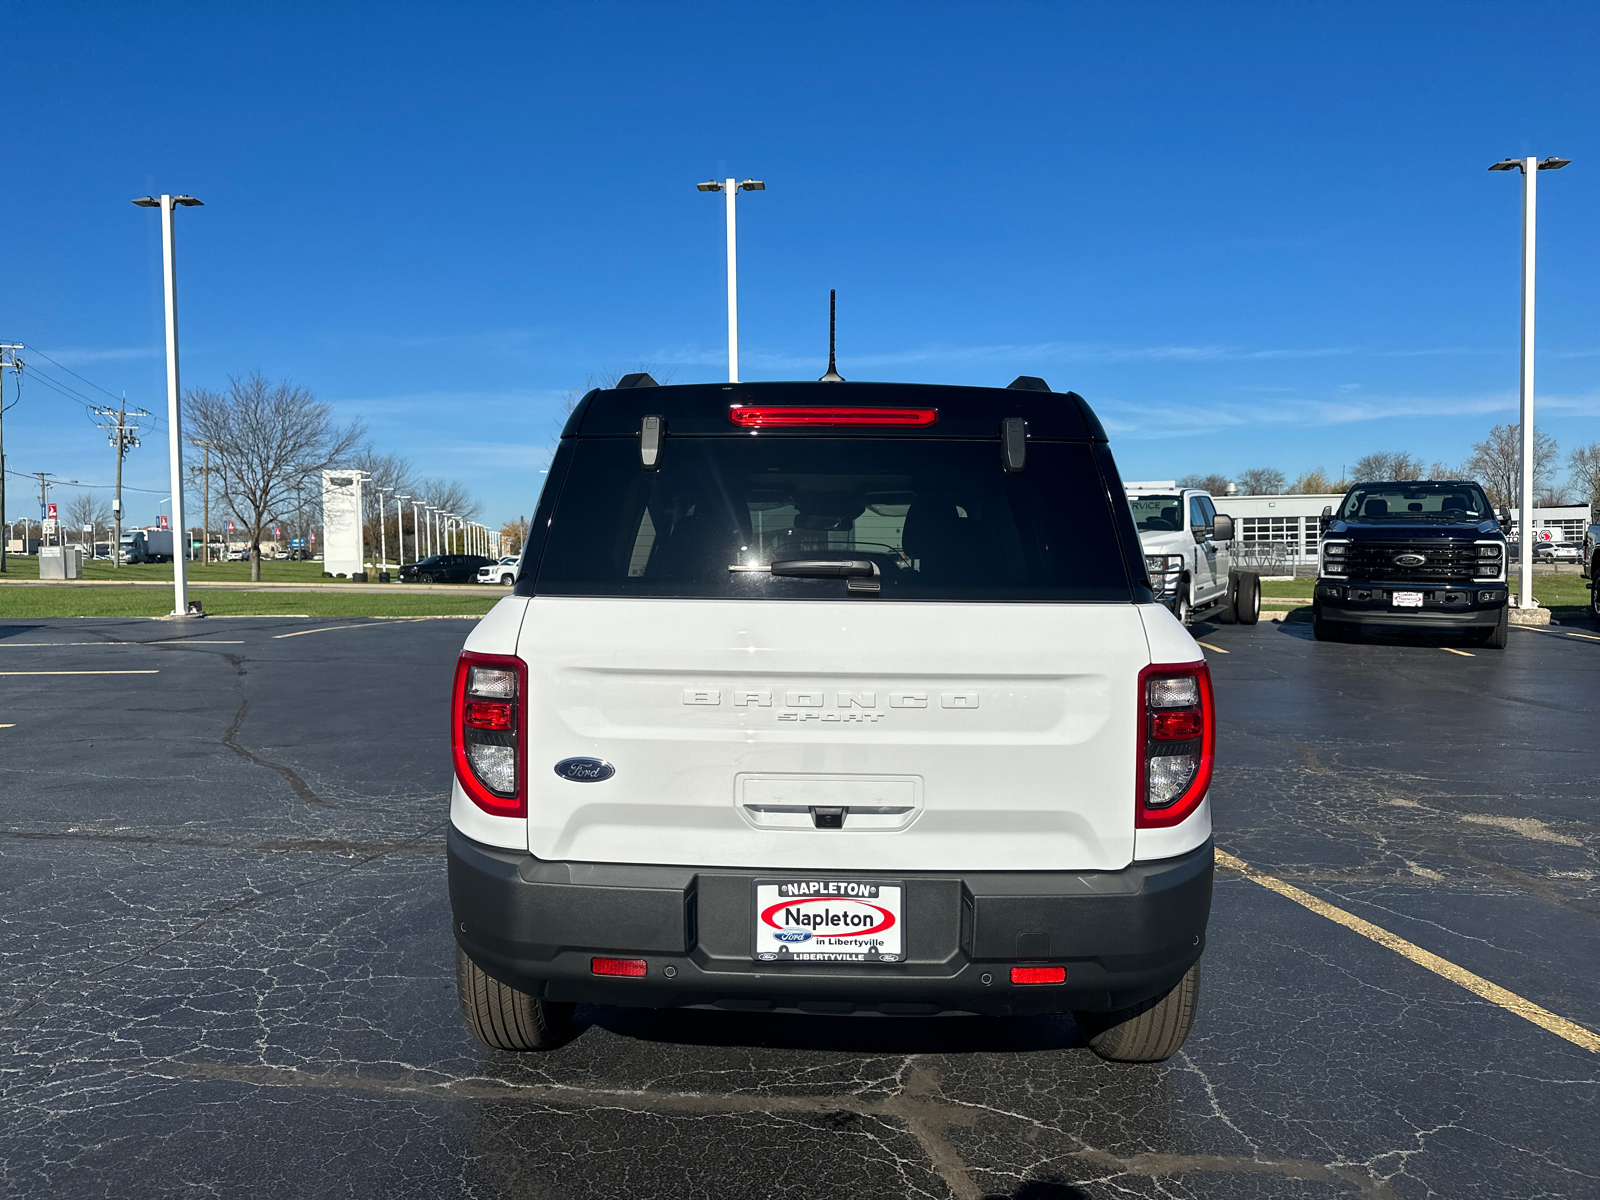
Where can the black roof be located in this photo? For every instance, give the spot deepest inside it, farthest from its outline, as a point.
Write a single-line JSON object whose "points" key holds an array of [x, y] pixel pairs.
{"points": [[702, 409]]}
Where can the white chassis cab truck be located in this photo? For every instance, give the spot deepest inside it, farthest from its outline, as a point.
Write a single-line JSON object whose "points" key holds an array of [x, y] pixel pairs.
{"points": [[1186, 546], [832, 698]]}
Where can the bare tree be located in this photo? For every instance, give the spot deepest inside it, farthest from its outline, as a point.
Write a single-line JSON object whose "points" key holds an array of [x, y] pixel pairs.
{"points": [[1217, 485], [1387, 465], [1315, 482], [266, 440], [1496, 463], [1261, 481], [87, 509], [1585, 467]]}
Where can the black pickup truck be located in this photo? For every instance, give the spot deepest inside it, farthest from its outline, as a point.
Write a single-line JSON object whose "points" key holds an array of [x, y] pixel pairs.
{"points": [[1427, 554]]}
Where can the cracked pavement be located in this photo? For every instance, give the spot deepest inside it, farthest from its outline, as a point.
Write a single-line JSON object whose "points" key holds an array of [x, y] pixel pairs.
{"points": [[226, 964]]}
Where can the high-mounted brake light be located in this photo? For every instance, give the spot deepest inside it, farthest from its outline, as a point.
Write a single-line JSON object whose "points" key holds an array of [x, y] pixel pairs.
{"points": [[489, 731], [1177, 737], [791, 416]]}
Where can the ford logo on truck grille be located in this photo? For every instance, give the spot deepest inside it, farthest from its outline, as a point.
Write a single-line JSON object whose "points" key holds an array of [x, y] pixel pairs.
{"points": [[585, 770], [1410, 560]]}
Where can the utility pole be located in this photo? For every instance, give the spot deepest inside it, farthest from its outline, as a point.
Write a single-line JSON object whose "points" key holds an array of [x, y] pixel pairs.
{"points": [[15, 363], [123, 438], [205, 503]]}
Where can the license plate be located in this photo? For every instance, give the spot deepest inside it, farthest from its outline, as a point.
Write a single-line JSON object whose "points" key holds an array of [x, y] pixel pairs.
{"points": [[1408, 599], [829, 920]]}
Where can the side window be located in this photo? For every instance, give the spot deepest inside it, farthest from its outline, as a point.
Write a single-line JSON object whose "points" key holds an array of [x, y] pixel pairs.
{"points": [[1210, 510], [1197, 513]]}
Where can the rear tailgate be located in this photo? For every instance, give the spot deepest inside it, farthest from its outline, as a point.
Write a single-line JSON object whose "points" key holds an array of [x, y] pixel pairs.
{"points": [[961, 736]]}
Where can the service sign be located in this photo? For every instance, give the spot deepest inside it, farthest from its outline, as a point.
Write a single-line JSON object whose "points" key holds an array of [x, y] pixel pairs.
{"points": [[829, 920]]}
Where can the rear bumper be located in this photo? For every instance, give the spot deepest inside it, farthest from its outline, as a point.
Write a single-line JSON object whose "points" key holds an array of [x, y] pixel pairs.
{"points": [[1121, 935]]}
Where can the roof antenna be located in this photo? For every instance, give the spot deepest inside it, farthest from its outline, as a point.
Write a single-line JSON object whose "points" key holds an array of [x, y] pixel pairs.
{"points": [[833, 375]]}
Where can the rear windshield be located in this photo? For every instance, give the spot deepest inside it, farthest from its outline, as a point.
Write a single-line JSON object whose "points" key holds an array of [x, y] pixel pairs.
{"points": [[941, 519], [1457, 503]]}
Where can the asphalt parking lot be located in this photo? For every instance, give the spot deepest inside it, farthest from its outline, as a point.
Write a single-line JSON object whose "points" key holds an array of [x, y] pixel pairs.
{"points": [[226, 965]]}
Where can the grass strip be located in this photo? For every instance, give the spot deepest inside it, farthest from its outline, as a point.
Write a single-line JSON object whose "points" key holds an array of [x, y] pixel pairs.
{"points": [[69, 601]]}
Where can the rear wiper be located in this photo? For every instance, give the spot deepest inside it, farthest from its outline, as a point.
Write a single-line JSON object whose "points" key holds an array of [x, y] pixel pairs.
{"points": [[861, 575]]}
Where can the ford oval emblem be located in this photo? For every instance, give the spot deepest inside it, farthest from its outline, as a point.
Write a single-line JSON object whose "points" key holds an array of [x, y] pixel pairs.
{"points": [[1410, 560], [585, 770]]}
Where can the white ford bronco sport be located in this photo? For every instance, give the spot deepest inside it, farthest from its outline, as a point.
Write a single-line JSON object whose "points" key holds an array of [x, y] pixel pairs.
{"points": [[832, 698]]}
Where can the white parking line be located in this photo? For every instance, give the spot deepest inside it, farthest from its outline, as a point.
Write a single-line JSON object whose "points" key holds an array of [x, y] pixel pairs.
{"points": [[161, 642], [363, 625], [150, 672]]}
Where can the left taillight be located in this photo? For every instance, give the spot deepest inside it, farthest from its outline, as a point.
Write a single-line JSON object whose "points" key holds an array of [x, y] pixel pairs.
{"points": [[488, 731], [1177, 736]]}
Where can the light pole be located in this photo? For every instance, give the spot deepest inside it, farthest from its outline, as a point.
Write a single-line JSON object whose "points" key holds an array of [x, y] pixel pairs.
{"points": [[400, 529], [1530, 168], [728, 187], [383, 537], [180, 581]]}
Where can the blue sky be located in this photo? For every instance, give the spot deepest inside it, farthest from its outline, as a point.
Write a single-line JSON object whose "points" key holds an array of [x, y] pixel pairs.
{"points": [[1249, 234]]}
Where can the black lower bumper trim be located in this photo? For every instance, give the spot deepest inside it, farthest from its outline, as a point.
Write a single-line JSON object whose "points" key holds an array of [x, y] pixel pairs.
{"points": [[1432, 618], [1122, 936]]}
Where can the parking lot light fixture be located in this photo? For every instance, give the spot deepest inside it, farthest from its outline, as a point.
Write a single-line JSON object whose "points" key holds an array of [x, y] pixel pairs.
{"points": [[400, 529], [180, 580], [730, 189], [1530, 168]]}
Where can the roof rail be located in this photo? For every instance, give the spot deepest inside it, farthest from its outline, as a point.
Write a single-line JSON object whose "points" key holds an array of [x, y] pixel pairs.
{"points": [[1028, 383], [637, 379]]}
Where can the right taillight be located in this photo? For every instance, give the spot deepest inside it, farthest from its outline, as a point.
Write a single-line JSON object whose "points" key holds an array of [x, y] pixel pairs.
{"points": [[1177, 732], [488, 726]]}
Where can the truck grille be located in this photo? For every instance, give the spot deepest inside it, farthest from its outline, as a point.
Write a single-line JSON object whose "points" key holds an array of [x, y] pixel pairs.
{"points": [[1443, 561]]}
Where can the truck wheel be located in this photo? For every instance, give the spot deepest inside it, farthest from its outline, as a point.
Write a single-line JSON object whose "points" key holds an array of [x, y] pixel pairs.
{"points": [[1229, 613], [1324, 630], [1594, 595], [1181, 604], [1247, 598], [1149, 1032], [1495, 636], [503, 1018]]}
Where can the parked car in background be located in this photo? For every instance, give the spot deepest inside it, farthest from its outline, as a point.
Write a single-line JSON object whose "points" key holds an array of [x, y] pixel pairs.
{"points": [[1556, 552], [503, 571], [443, 568], [1188, 553], [1404, 552]]}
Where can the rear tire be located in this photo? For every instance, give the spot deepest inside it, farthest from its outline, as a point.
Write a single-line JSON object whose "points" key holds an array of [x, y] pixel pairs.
{"points": [[503, 1018], [1247, 598], [1495, 636], [1152, 1031], [1227, 615]]}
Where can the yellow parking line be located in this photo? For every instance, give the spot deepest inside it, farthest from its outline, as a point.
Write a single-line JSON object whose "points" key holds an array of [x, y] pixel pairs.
{"points": [[13, 725], [1463, 653], [80, 672], [1209, 646], [1476, 984], [1586, 636]]}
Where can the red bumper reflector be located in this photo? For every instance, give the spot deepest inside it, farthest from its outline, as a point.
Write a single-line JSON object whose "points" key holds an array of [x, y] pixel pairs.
{"points": [[632, 968], [488, 714], [789, 416], [1038, 974]]}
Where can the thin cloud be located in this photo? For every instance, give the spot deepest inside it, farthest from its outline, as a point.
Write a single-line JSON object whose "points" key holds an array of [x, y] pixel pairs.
{"points": [[74, 358]]}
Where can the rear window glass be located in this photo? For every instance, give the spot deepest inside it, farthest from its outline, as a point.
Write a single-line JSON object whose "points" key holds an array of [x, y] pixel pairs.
{"points": [[941, 519]]}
